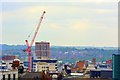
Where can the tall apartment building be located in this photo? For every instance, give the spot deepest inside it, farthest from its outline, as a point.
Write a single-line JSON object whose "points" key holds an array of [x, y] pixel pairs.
{"points": [[42, 50], [116, 66]]}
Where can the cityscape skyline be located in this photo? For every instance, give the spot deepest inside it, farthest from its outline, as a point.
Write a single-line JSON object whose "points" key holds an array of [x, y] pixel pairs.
{"points": [[66, 24], [59, 39]]}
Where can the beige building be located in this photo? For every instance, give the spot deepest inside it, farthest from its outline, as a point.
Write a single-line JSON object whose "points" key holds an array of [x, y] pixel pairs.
{"points": [[40, 65]]}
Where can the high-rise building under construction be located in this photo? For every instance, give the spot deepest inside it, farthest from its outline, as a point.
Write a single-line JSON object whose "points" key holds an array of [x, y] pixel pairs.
{"points": [[42, 50]]}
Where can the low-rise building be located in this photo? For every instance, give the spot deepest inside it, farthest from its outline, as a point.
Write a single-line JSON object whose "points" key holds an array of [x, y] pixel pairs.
{"points": [[9, 74], [101, 73], [40, 65], [9, 69]]}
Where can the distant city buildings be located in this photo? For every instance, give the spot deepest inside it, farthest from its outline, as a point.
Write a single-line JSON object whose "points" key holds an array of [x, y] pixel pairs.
{"points": [[94, 61], [8, 57]]}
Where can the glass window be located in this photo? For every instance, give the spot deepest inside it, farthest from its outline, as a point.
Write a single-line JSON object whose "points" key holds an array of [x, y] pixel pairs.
{"points": [[3, 77], [8, 76]]}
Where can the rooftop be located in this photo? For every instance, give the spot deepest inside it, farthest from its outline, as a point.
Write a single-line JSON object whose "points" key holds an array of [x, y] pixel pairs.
{"points": [[48, 61]]}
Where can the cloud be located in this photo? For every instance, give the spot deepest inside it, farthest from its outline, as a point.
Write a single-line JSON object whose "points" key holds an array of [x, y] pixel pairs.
{"points": [[54, 26], [105, 11], [79, 25], [63, 24]]}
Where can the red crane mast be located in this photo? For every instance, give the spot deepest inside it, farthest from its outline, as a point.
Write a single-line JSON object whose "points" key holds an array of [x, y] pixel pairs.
{"points": [[28, 49]]}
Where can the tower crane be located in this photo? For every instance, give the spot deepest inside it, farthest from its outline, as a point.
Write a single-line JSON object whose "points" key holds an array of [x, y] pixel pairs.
{"points": [[28, 49]]}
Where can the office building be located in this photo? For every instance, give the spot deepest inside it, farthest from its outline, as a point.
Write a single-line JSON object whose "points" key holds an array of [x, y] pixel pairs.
{"points": [[116, 66]]}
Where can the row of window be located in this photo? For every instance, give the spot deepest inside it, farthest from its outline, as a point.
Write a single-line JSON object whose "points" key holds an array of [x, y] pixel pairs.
{"points": [[45, 67], [43, 47], [43, 54], [9, 77]]}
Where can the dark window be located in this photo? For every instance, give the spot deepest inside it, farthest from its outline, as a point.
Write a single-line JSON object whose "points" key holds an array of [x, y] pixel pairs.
{"points": [[13, 76], [40, 57], [3, 77], [8, 76], [3, 63], [55, 67], [40, 47]]}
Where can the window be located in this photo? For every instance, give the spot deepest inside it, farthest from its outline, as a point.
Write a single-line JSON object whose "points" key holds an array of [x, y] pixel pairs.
{"points": [[3, 77], [13, 76], [46, 47], [46, 54], [40, 47], [8, 76], [55, 67]]}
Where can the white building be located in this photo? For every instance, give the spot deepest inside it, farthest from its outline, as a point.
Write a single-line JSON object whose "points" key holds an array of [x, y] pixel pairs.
{"points": [[8, 75]]}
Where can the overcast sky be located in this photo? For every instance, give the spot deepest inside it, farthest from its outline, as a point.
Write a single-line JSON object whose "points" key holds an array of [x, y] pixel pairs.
{"points": [[70, 22]]}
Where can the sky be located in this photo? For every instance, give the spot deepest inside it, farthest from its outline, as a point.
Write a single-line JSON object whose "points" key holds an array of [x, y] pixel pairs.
{"points": [[66, 22]]}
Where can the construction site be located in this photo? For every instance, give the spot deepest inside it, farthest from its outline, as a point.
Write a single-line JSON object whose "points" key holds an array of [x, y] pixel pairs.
{"points": [[42, 67]]}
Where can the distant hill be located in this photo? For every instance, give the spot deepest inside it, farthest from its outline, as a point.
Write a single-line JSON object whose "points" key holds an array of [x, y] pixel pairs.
{"points": [[65, 53]]}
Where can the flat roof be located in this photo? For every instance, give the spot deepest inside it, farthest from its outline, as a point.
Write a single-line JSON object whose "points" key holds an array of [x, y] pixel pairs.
{"points": [[101, 69], [77, 74], [48, 61]]}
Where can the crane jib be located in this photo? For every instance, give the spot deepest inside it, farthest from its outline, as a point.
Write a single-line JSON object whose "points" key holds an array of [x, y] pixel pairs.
{"points": [[28, 49]]}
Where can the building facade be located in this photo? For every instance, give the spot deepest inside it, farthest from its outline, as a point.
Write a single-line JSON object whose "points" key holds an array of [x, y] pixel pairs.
{"points": [[9, 75], [101, 73], [42, 50], [116, 66], [44, 65], [7, 72]]}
